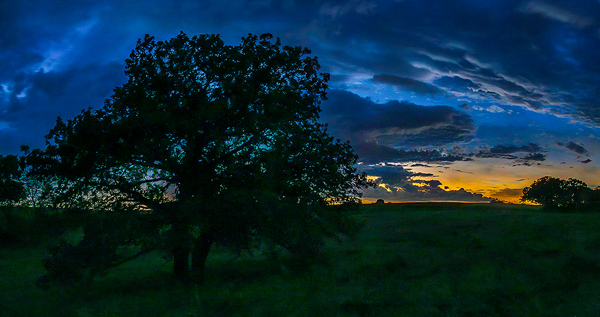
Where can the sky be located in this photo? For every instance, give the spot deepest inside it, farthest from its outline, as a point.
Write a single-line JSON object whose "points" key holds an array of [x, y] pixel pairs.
{"points": [[463, 100]]}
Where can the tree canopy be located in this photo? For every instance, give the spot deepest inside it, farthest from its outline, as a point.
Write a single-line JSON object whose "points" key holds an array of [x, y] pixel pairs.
{"points": [[205, 143], [563, 195], [11, 188]]}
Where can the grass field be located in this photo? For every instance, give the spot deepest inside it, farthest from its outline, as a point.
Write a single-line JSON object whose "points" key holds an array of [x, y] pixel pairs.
{"points": [[412, 260]]}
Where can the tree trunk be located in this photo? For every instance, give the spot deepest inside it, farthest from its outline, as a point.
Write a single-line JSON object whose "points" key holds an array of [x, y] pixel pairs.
{"points": [[181, 258], [200, 253], [181, 252]]}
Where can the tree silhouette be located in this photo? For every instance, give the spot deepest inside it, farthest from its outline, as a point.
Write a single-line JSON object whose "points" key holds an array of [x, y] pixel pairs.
{"points": [[562, 195], [205, 143], [11, 189]]}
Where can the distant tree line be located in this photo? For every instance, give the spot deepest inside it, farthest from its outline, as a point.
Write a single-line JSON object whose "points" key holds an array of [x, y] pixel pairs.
{"points": [[555, 194]]}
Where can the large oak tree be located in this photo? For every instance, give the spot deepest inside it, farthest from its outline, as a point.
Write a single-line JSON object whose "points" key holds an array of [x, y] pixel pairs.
{"points": [[205, 143], [556, 194]]}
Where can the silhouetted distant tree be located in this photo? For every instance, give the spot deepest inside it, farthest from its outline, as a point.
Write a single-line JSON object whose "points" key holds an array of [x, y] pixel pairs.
{"points": [[562, 195], [205, 143], [11, 191], [11, 188]]}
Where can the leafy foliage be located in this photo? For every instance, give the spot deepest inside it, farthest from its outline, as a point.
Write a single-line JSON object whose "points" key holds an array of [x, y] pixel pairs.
{"points": [[108, 241], [11, 189], [562, 195], [218, 143]]}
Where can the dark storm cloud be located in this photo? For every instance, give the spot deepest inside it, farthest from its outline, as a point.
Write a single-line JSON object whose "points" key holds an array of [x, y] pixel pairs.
{"points": [[487, 154], [541, 55], [430, 183], [373, 153], [41, 31], [420, 165], [464, 106], [425, 192], [534, 157], [506, 149], [531, 159], [508, 152], [538, 54], [394, 175], [379, 132], [408, 84], [395, 123], [58, 58], [577, 148], [36, 99], [397, 183]]}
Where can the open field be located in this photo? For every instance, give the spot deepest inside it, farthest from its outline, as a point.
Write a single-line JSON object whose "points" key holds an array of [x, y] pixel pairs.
{"points": [[412, 260]]}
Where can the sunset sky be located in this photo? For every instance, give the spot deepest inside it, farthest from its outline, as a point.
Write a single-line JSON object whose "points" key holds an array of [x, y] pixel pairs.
{"points": [[443, 100]]}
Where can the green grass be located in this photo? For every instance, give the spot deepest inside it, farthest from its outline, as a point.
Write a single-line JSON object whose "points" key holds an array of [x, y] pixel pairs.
{"points": [[411, 260]]}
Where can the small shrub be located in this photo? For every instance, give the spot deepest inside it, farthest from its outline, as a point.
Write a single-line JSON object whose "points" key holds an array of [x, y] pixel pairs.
{"points": [[66, 266], [104, 245]]}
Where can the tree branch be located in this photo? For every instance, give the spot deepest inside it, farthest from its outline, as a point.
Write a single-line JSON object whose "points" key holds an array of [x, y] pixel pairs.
{"points": [[133, 257]]}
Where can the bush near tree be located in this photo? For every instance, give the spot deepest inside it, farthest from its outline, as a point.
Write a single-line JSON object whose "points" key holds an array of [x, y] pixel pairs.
{"points": [[555, 194], [206, 143]]}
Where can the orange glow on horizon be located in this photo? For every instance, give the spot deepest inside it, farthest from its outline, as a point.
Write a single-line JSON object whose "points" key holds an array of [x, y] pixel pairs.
{"points": [[499, 180]]}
